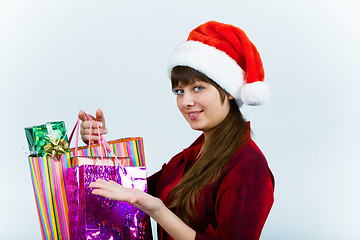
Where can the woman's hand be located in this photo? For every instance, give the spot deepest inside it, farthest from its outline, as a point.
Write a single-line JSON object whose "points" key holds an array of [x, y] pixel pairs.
{"points": [[85, 126], [115, 191], [154, 207]]}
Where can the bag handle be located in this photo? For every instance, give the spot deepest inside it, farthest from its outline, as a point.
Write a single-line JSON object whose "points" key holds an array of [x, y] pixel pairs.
{"points": [[107, 148], [75, 127], [102, 142]]}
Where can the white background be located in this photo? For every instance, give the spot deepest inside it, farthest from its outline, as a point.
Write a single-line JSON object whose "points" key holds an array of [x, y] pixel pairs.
{"points": [[57, 57]]}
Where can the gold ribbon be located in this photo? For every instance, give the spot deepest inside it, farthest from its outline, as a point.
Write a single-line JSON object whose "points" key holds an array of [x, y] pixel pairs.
{"points": [[56, 147]]}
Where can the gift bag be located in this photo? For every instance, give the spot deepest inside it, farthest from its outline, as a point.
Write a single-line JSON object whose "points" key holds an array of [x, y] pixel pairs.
{"points": [[48, 162], [48, 178], [48, 174], [96, 217], [131, 147]]}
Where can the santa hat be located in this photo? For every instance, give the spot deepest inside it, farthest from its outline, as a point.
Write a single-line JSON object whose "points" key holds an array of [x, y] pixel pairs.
{"points": [[225, 54]]}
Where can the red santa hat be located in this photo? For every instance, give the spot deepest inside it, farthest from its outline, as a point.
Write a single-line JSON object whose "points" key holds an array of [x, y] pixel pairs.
{"points": [[226, 55]]}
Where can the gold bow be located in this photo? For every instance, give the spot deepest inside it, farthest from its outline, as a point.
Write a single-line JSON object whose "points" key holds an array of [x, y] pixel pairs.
{"points": [[56, 147]]}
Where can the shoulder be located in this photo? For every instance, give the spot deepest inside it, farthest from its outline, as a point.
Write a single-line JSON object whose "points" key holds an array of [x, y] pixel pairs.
{"points": [[248, 154], [248, 163]]}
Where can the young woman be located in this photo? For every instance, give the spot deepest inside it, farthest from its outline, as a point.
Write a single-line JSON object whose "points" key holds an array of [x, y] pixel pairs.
{"points": [[221, 186]]}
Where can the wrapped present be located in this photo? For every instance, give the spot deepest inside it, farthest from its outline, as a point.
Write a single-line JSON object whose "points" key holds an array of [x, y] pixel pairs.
{"points": [[48, 139]]}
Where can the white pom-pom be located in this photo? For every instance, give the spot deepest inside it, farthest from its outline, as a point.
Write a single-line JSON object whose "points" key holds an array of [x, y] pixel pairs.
{"points": [[255, 94]]}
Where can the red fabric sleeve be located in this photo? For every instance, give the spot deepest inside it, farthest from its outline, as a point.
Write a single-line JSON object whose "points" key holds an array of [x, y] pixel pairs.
{"points": [[153, 180], [243, 202]]}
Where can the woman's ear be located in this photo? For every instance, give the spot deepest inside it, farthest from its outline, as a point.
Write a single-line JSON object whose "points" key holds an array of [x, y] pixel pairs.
{"points": [[229, 96]]}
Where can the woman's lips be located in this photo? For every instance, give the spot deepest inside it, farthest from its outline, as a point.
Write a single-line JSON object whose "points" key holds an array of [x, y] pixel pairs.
{"points": [[194, 114]]}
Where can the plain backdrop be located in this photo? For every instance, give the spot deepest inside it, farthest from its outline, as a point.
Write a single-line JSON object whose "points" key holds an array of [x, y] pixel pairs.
{"points": [[57, 57]]}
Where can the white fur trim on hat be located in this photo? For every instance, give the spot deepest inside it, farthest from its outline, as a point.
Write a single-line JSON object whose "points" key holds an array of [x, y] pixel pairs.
{"points": [[212, 62], [256, 93]]}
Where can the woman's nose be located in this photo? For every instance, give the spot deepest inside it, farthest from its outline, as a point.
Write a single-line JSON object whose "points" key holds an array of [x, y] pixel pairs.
{"points": [[188, 100]]}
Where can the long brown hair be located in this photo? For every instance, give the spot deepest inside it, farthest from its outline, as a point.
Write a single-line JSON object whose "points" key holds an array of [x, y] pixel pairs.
{"points": [[227, 137]]}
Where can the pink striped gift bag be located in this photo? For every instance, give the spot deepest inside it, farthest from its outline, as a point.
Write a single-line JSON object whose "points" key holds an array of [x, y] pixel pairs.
{"points": [[48, 176]]}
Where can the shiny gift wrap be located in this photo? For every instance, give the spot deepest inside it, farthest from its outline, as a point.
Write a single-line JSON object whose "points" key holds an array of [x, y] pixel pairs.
{"points": [[47, 139], [96, 217]]}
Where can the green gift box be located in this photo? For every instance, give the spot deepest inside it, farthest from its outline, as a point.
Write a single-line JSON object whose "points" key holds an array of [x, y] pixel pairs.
{"points": [[47, 139]]}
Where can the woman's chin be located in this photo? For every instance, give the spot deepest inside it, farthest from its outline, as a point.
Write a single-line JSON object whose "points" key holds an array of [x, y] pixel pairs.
{"points": [[197, 128]]}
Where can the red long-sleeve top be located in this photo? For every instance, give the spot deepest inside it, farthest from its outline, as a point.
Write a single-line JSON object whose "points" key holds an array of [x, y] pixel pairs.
{"points": [[233, 207]]}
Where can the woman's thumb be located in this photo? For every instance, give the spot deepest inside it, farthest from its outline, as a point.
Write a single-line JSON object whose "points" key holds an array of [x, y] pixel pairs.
{"points": [[100, 116]]}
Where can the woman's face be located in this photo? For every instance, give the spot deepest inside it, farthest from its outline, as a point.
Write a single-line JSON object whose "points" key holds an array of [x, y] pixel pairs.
{"points": [[201, 105]]}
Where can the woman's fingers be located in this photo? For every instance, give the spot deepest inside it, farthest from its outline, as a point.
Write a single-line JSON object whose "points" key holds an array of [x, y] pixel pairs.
{"points": [[100, 117], [98, 182], [92, 138], [101, 183], [94, 131], [113, 182], [86, 124], [84, 116], [100, 192], [86, 138], [112, 190], [87, 121]]}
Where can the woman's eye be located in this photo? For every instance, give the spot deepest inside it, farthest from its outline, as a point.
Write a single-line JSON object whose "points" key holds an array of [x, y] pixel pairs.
{"points": [[178, 91], [198, 88]]}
